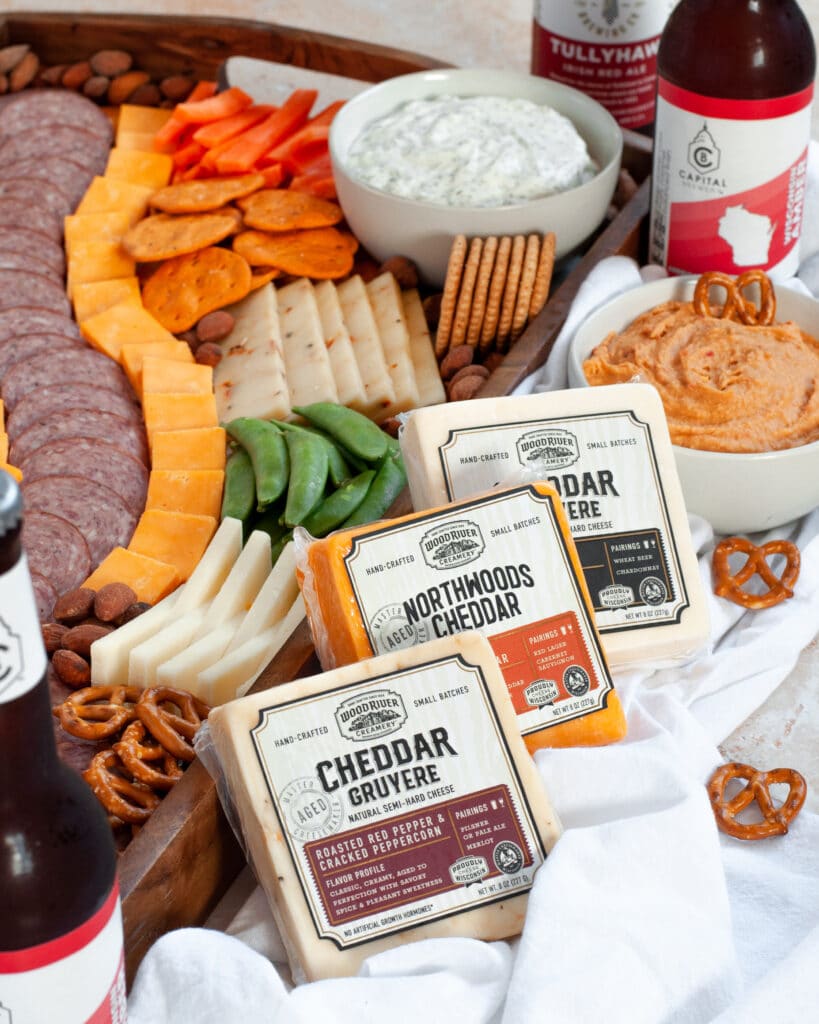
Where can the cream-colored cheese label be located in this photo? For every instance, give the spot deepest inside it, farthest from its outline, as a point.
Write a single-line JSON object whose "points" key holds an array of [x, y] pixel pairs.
{"points": [[399, 800]]}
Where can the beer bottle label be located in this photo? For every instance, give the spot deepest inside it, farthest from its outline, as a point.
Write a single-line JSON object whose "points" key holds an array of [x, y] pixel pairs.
{"points": [[729, 181], [22, 655], [78, 978]]}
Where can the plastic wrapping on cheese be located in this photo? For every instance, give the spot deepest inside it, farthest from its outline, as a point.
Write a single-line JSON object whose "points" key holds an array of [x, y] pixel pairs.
{"points": [[384, 802], [608, 453], [503, 563]]}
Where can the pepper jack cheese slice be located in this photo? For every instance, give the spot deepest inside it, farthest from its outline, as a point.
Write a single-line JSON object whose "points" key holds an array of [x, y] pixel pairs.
{"points": [[504, 564], [387, 801], [608, 454]]}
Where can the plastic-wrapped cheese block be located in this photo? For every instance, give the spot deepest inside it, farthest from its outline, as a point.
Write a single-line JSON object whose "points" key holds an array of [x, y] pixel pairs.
{"points": [[607, 452], [504, 564], [384, 802]]}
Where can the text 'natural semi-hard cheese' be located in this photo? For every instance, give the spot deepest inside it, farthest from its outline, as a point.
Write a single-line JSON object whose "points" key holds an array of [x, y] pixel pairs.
{"points": [[608, 454], [504, 564], [387, 801]]}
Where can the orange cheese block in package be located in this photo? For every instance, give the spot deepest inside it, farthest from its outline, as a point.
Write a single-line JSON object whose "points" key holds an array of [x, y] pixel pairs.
{"points": [[502, 563]]}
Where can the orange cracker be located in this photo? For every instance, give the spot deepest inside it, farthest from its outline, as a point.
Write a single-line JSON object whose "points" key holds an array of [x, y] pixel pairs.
{"points": [[479, 296], [464, 306], [164, 236], [184, 289], [452, 284], [510, 292], [531, 258], [543, 279], [263, 276], [496, 288], [316, 252], [205, 194], [279, 209]]}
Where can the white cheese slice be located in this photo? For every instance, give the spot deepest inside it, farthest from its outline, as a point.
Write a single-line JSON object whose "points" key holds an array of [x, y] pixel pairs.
{"points": [[243, 583], [146, 657], [386, 801], [388, 310], [306, 360], [213, 567], [110, 654], [182, 670], [360, 322], [276, 595], [339, 347], [608, 453], [250, 380], [427, 375]]}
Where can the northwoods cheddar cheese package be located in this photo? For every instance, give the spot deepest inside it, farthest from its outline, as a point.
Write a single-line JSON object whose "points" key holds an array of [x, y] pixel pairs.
{"points": [[503, 563], [383, 802], [607, 452]]}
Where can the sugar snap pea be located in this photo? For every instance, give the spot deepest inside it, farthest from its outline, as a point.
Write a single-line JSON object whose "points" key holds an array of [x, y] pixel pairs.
{"points": [[239, 494], [265, 445], [388, 483], [339, 470], [339, 505], [269, 523], [308, 475], [360, 436], [280, 545]]}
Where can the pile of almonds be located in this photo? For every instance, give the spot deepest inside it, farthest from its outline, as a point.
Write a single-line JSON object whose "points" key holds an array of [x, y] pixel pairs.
{"points": [[463, 377], [80, 617], [108, 77], [204, 338]]}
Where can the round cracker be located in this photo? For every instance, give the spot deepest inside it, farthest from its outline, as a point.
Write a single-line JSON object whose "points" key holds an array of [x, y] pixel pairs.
{"points": [[543, 279], [184, 289], [164, 236], [205, 193], [510, 292], [496, 288], [464, 307], [531, 258], [479, 296], [454, 270]]}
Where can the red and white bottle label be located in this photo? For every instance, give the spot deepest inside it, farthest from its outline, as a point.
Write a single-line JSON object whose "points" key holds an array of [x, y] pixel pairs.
{"points": [[22, 655], [78, 978], [729, 182]]}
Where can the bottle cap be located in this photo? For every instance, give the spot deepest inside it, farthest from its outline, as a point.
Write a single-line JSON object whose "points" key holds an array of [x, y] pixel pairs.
{"points": [[11, 503]]}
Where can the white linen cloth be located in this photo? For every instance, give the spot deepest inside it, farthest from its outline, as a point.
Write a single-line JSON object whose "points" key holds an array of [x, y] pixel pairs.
{"points": [[644, 913]]}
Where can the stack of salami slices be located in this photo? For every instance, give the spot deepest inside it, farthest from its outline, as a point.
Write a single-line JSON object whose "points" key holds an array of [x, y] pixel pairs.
{"points": [[74, 425]]}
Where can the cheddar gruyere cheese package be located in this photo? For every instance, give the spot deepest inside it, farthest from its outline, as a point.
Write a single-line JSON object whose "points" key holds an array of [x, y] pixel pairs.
{"points": [[383, 802], [503, 563]]}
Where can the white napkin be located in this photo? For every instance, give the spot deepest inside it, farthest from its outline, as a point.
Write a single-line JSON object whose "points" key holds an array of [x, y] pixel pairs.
{"points": [[643, 913]]}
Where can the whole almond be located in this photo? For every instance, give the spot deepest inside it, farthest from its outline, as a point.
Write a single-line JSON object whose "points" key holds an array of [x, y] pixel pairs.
{"points": [[76, 75], [455, 359], [53, 633], [403, 270], [176, 87], [75, 605], [96, 87], [24, 73], [473, 370], [147, 95], [79, 638], [10, 56], [54, 74], [391, 426], [493, 361], [111, 63], [208, 354], [122, 87], [133, 611], [112, 600], [73, 670], [432, 309], [465, 388], [215, 326]]}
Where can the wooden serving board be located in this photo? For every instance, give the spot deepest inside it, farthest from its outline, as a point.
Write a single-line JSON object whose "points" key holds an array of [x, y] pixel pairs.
{"points": [[176, 869]]}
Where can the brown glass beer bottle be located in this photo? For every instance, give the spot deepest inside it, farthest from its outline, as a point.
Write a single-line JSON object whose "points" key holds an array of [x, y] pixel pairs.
{"points": [[61, 953], [735, 83]]}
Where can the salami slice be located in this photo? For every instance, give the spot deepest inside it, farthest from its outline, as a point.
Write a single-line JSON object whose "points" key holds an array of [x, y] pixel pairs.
{"points": [[59, 397], [33, 244], [45, 596], [19, 259], [94, 459], [101, 516], [85, 423], [14, 214], [70, 177], [30, 110], [17, 288], [66, 366], [55, 548], [63, 140], [34, 320], [38, 192], [24, 346]]}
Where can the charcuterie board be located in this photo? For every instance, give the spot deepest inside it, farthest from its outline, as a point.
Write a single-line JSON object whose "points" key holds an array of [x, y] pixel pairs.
{"points": [[176, 869]]}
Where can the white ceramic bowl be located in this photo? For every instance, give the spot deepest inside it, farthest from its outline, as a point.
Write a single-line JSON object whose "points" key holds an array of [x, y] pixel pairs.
{"points": [[390, 226], [736, 493]]}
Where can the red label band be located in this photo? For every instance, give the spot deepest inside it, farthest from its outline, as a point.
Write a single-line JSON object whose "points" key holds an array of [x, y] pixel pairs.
{"points": [[30, 959], [734, 110]]}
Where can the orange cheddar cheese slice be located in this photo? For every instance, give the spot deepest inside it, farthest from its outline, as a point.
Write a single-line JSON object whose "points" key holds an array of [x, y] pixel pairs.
{"points": [[166, 376], [120, 324], [199, 448], [133, 354], [83, 229], [503, 563], [137, 142], [134, 117], [92, 297], [177, 538], [174, 411], [96, 261], [110, 195], [13, 470], [150, 579], [140, 168], [186, 490]]}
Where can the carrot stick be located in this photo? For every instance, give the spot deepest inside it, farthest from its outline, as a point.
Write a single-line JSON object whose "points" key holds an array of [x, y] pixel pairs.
{"points": [[300, 148], [202, 91], [217, 132], [188, 155], [246, 149], [168, 136], [222, 105], [273, 175], [326, 116]]}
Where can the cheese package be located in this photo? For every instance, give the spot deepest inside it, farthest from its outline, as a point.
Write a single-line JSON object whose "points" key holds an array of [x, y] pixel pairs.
{"points": [[504, 564], [384, 802], [608, 453]]}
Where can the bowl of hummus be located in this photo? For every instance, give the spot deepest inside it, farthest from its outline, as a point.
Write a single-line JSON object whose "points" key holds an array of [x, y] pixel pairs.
{"points": [[741, 400], [421, 158]]}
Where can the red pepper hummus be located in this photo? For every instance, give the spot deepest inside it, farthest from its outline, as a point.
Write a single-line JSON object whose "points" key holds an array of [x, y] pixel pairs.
{"points": [[725, 386]]}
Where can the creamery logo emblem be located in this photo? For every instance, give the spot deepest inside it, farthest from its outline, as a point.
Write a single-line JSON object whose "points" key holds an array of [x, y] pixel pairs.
{"points": [[452, 544], [370, 715], [11, 657], [703, 152], [547, 448]]}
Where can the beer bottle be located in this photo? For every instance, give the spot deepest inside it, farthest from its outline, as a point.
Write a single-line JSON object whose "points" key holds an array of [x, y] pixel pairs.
{"points": [[735, 83], [61, 952]]}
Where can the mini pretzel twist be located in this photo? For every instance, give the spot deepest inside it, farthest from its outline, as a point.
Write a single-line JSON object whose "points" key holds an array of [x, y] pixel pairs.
{"points": [[148, 761], [730, 585], [736, 305], [172, 717], [97, 712], [129, 801], [775, 819]]}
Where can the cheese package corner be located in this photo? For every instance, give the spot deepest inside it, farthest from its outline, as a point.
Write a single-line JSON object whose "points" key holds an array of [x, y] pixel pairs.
{"points": [[383, 802], [502, 563], [608, 453]]}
